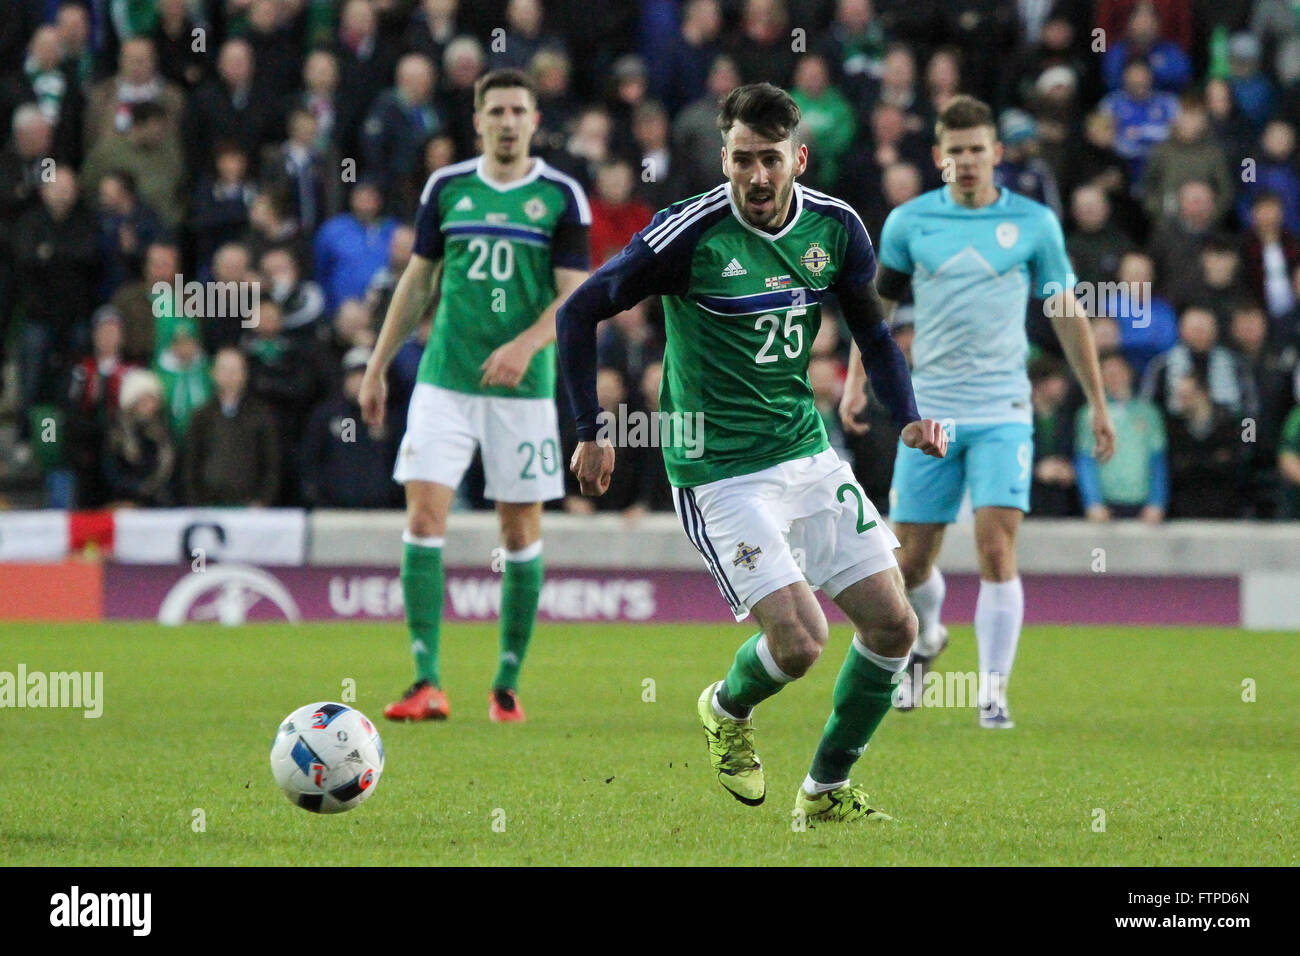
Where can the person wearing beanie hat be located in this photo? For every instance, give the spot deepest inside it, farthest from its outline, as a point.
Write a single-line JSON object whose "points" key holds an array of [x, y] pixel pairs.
{"points": [[140, 457]]}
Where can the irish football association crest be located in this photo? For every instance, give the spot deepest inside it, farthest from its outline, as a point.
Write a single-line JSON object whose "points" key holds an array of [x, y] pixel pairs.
{"points": [[747, 556], [534, 209], [815, 259]]}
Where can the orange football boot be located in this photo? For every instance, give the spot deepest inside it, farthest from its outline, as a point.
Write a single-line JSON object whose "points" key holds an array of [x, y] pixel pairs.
{"points": [[504, 708], [422, 702]]}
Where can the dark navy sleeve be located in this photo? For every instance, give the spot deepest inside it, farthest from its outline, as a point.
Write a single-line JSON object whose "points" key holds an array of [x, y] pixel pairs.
{"points": [[570, 241], [428, 220], [859, 256], [657, 265], [884, 361]]}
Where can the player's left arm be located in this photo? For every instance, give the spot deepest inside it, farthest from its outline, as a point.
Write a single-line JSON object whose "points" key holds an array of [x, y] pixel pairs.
{"points": [[508, 363], [1074, 331]]}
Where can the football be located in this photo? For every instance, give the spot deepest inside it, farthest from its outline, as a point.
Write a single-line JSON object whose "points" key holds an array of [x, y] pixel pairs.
{"points": [[327, 757]]}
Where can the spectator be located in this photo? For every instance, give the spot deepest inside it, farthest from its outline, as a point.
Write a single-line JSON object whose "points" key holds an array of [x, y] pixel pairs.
{"points": [[1142, 115], [111, 105], [1093, 161], [1288, 465], [275, 47], [1214, 280], [1135, 481], [1052, 492], [72, 21], [550, 72], [1178, 238], [94, 387], [23, 161], [380, 291], [222, 203], [897, 86], [346, 463], [1275, 173], [126, 228], [1229, 381], [283, 373], [56, 259], [150, 152], [1021, 169], [899, 183], [272, 223], [942, 80], [1232, 131], [462, 64], [140, 457], [1271, 255], [433, 26], [524, 36], [46, 82], [855, 46], [233, 454], [1205, 455], [301, 301], [1095, 244], [761, 47], [829, 124], [615, 214], [143, 302], [173, 37], [1270, 369], [1148, 324], [400, 122], [659, 179], [696, 141], [366, 57], [353, 246], [679, 75], [185, 376], [319, 97], [1170, 67], [232, 268], [1251, 89], [227, 108], [1189, 154], [301, 170]]}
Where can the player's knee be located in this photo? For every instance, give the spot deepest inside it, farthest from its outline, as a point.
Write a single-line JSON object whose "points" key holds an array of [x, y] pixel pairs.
{"points": [[997, 557], [425, 524], [800, 644], [516, 539], [897, 635], [915, 568]]}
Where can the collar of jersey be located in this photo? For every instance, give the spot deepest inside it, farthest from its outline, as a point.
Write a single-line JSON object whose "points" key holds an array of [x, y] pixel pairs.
{"points": [[946, 198], [514, 183], [769, 236]]}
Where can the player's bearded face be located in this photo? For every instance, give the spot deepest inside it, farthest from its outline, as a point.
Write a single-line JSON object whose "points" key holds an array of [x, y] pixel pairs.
{"points": [[762, 175]]}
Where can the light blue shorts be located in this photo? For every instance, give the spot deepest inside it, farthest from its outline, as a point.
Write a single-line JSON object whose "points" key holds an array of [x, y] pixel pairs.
{"points": [[994, 460]]}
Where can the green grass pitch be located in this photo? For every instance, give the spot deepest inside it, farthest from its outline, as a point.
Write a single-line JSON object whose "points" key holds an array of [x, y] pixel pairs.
{"points": [[1147, 725]]}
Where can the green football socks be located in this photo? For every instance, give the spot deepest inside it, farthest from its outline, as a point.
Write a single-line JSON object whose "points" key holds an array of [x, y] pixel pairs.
{"points": [[863, 695], [521, 588], [422, 593], [753, 678]]}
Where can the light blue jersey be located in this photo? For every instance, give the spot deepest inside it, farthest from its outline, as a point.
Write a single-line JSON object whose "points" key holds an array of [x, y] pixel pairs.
{"points": [[972, 274]]}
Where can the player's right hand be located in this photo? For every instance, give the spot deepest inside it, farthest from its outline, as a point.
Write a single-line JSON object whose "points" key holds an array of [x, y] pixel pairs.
{"points": [[373, 398], [592, 465], [853, 404], [927, 435]]}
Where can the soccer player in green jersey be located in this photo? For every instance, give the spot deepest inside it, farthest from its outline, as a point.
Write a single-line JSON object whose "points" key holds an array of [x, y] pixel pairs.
{"points": [[743, 270], [501, 240]]}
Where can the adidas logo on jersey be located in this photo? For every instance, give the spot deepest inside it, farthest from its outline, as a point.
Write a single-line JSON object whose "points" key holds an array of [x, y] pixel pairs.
{"points": [[465, 204], [734, 268]]}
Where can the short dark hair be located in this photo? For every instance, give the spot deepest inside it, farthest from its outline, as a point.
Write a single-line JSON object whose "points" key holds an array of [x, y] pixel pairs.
{"points": [[502, 80], [965, 112], [766, 109]]}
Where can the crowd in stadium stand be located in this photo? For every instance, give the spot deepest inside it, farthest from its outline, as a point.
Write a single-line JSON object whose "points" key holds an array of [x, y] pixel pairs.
{"points": [[287, 141]]}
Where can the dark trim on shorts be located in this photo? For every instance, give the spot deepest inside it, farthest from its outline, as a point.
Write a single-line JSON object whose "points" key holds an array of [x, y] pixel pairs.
{"points": [[693, 523]]}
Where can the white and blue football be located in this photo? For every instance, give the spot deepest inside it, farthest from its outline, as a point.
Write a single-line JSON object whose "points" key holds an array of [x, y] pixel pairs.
{"points": [[327, 757]]}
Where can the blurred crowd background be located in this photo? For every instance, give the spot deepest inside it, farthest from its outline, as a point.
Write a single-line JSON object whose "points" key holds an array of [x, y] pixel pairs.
{"points": [[286, 142]]}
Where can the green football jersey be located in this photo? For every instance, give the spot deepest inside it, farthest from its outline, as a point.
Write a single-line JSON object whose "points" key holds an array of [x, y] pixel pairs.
{"points": [[742, 307], [499, 245]]}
